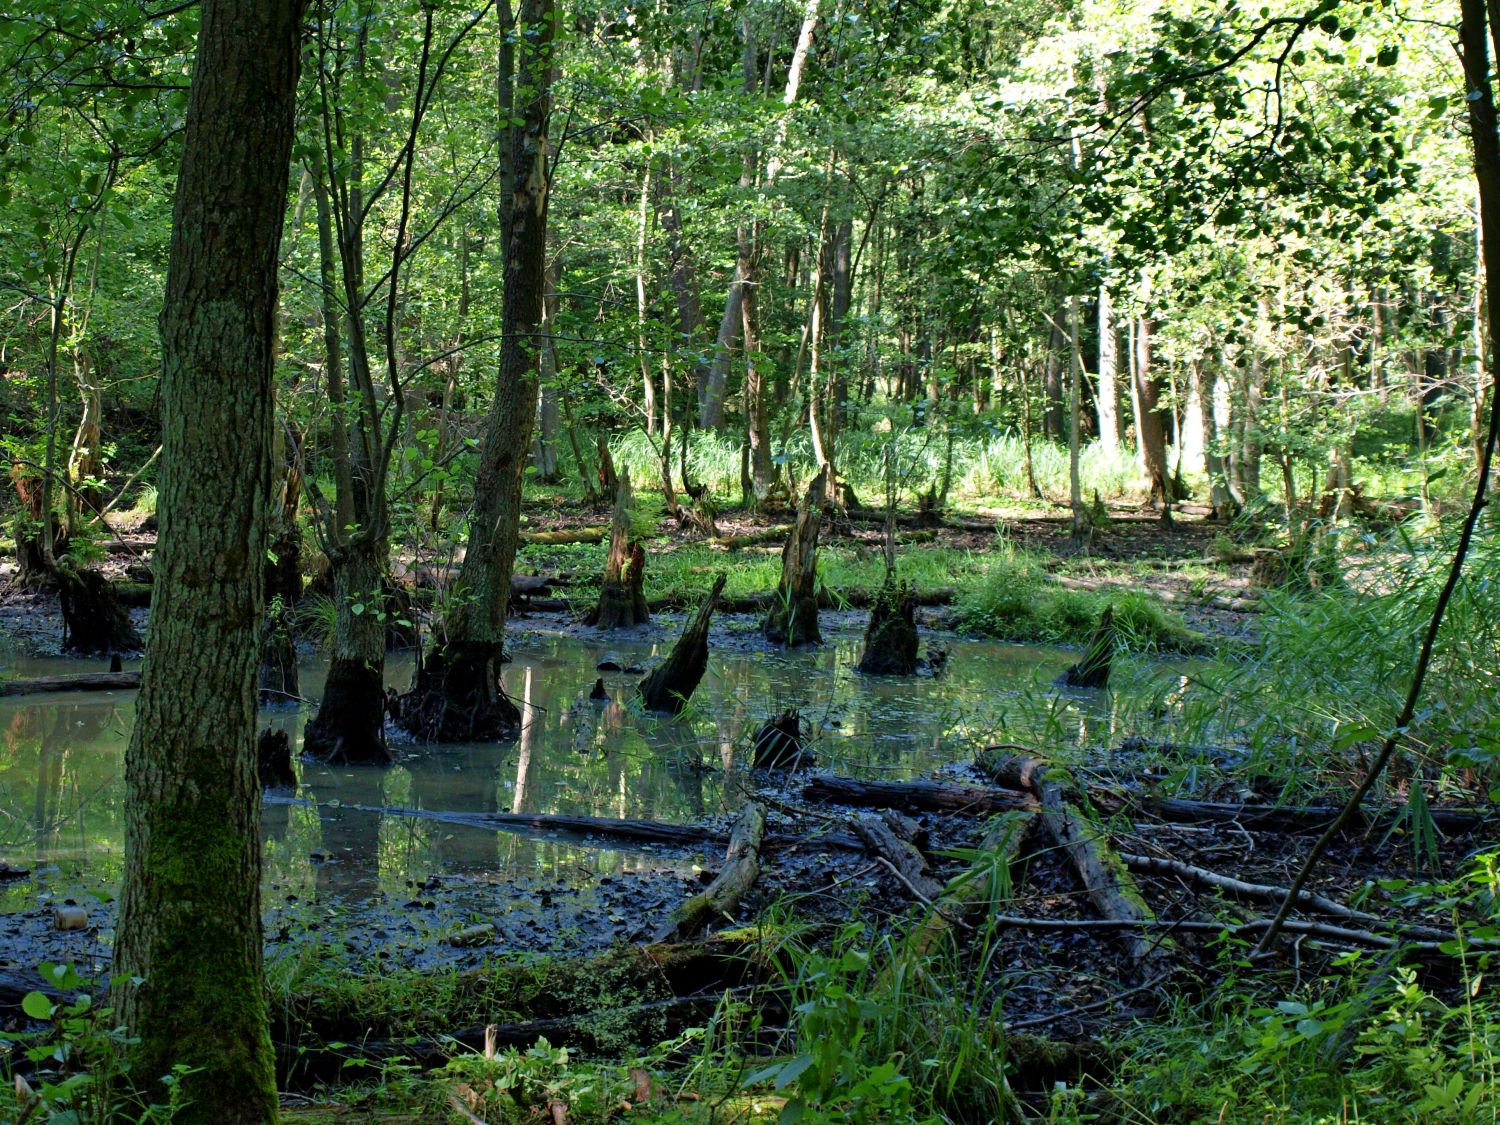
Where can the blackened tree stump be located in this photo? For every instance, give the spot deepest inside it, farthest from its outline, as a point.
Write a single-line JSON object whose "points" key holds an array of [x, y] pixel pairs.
{"points": [[1093, 670], [674, 680], [622, 597], [778, 743], [94, 619], [891, 636], [273, 760], [793, 619]]}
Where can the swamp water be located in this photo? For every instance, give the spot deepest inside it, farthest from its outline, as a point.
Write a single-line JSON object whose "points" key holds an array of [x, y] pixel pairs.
{"points": [[333, 865]]}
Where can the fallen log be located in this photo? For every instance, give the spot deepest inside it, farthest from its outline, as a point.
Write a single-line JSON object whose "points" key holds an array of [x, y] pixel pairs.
{"points": [[1239, 888], [84, 681], [882, 838], [1110, 887], [566, 535], [1283, 818], [605, 1030], [433, 1004], [929, 796], [722, 898], [1002, 845], [749, 539], [674, 680]]}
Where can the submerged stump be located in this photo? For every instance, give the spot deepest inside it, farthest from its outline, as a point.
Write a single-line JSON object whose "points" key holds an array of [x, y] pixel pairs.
{"points": [[793, 619], [457, 695], [891, 636], [273, 760], [778, 743], [622, 597], [94, 618], [1093, 670], [673, 681]]}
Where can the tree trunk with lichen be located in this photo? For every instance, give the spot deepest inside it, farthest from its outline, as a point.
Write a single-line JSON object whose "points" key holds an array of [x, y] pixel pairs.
{"points": [[793, 619], [622, 597], [189, 944], [457, 695]]}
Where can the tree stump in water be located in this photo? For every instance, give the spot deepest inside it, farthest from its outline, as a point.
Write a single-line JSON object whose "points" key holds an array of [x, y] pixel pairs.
{"points": [[778, 744], [94, 620], [622, 597], [793, 619], [673, 681], [350, 724], [273, 760], [278, 657], [891, 636], [457, 696], [31, 558], [1093, 670]]}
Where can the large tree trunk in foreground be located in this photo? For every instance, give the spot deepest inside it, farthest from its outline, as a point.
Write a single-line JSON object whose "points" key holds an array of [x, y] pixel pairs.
{"points": [[457, 695], [793, 619], [189, 945], [622, 597], [674, 680], [350, 723]]}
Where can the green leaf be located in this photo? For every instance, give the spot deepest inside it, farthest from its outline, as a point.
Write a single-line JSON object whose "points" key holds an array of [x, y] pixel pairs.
{"points": [[37, 1006]]}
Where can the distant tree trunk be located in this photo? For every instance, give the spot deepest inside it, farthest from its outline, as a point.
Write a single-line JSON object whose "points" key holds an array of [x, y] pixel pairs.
{"points": [[762, 471], [1075, 419], [1209, 386], [350, 723], [622, 597], [544, 449], [1107, 397], [457, 694], [711, 411], [188, 944], [1054, 398], [793, 619], [1151, 420]]}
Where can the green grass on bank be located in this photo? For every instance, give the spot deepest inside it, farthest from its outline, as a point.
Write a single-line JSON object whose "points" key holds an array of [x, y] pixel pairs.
{"points": [[1002, 593]]}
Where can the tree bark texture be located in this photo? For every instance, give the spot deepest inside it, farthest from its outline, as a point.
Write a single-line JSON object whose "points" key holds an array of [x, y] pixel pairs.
{"points": [[457, 691], [189, 946], [793, 619]]}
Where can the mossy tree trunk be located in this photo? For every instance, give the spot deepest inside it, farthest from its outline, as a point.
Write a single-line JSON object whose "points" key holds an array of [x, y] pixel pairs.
{"points": [[189, 945], [793, 619], [457, 694]]}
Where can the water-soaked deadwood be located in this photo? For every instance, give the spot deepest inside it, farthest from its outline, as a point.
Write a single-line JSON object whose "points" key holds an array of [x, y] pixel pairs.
{"points": [[793, 619], [673, 681], [622, 596]]}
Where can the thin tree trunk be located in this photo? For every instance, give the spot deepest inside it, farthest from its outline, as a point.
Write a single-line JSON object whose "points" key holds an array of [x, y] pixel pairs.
{"points": [[1107, 397], [457, 694]]}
